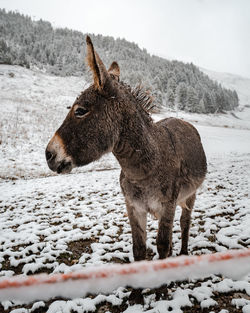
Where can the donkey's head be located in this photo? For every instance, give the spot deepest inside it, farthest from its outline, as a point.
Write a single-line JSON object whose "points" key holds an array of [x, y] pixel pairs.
{"points": [[91, 127]]}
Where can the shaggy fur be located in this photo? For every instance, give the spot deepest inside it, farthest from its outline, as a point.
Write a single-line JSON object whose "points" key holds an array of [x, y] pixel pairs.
{"points": [[162, 163]]}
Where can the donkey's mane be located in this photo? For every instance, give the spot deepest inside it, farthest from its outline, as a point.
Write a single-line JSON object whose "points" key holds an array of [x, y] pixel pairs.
{"points": [[142, 96]]}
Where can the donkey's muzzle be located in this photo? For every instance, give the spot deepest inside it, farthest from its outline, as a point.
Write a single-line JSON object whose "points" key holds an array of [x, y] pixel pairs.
{"points": [[59, 166], [57, 158]]}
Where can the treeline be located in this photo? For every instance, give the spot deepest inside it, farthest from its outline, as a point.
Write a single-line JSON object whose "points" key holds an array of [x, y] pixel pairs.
{"points": [[62, 51]]}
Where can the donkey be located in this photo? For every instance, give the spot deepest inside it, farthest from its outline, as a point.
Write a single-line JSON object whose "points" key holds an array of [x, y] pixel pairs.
{"points": [[162, 164]]}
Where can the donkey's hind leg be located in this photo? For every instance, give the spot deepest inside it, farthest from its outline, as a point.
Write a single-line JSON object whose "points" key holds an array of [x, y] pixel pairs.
{"points": [[185, 222]]}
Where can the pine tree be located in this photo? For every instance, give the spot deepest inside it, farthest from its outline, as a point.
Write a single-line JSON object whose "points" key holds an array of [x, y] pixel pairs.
{"points": [[5, 56], [208, 105], [172, 83], [201, 106], [170, 98], [181, 96], [235, 99], [192, 102]]}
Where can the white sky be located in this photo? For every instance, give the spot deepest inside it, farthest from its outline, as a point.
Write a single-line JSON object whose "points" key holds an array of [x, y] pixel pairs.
{"points": [[214, 34]]}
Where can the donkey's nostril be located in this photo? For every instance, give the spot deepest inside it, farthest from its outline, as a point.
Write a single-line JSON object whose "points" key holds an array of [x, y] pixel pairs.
{"points": [[49, 155]]}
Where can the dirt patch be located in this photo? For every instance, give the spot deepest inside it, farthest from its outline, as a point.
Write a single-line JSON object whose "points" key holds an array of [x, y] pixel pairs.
{"points": [[75, 250]]}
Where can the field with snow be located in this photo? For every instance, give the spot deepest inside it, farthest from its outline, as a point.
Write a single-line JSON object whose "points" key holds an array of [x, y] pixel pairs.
{"points": [[57, 224]]}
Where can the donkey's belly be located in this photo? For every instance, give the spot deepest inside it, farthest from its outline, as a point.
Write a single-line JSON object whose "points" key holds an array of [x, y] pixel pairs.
{"points": [[151, 205]]}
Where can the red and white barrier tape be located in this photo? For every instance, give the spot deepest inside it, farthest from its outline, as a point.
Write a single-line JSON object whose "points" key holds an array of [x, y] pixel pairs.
{"points": [[232, 263]]}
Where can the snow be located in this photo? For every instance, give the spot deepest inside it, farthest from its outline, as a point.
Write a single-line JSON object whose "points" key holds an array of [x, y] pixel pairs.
{"points": [[207, 303], [246, 309], [180, 299], [58, 224], [37, 305]]}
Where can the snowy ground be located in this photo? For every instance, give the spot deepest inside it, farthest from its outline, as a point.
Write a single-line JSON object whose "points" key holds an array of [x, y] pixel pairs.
{"points": [[54, 224]]}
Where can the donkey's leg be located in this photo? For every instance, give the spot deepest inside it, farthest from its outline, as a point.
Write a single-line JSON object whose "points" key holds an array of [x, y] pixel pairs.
{"points": [[164, 237], [185, 223], [138, 222]]}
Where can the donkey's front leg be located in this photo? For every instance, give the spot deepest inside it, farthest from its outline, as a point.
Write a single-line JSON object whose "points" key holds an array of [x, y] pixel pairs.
{"points": [[164, 237], [138, 222]]}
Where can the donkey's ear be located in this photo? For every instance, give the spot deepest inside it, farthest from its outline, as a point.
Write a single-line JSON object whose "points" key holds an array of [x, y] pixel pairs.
{"points": [[114, 70], [98, 69]]}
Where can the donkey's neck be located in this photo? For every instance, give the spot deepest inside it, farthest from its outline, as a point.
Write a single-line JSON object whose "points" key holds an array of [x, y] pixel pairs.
{"points": [[136, 150]]}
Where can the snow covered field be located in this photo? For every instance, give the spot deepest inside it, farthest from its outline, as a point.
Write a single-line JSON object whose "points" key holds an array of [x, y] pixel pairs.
{"points": [[57, 224]]}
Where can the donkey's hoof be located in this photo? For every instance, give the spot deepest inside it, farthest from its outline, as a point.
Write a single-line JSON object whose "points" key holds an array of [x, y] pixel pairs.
{"points": [[136, 297]]}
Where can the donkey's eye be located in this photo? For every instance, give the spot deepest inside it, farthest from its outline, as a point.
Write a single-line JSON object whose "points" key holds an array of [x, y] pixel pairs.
{"points": [[79, 112]]}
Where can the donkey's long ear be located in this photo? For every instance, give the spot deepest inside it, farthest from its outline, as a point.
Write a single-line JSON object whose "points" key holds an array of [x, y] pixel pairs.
{"points": [[114, 70], [98, 69]]}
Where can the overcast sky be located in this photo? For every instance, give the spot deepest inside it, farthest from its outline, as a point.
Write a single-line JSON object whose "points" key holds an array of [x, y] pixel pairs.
{"points": [[214, 34]]}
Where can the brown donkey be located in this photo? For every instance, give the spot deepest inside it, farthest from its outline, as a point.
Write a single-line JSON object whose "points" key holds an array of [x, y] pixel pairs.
{"points": [[162, 163]]}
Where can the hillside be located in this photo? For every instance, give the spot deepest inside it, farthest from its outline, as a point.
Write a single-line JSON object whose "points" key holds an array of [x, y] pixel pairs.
{"points": [[34, 104], [233, 82], [62, 51]]}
